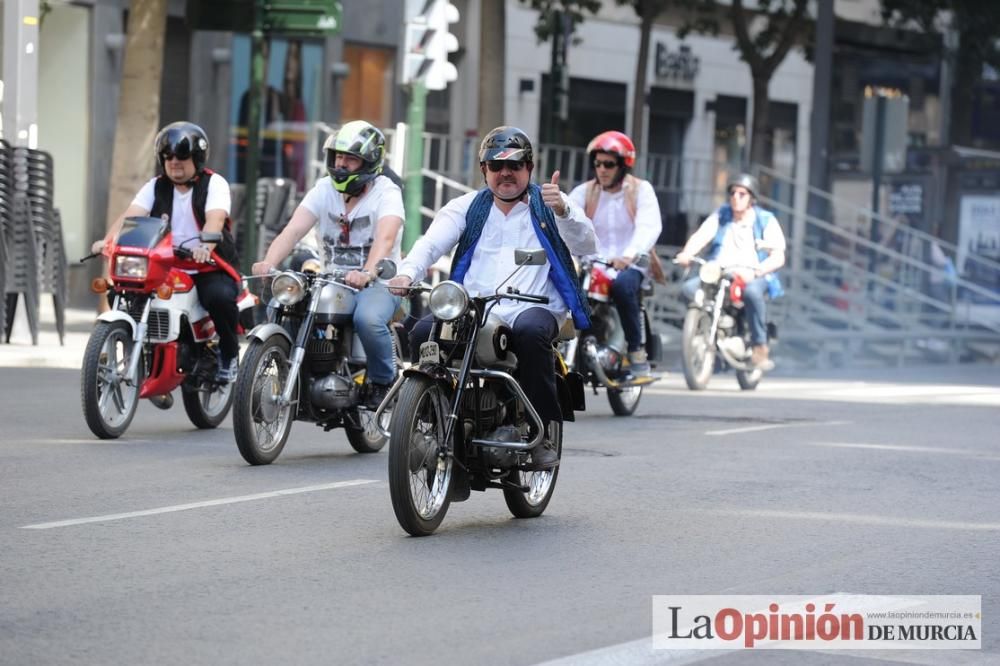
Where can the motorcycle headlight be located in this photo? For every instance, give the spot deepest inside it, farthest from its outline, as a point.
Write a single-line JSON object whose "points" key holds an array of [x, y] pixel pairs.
{"points": [[449, 300], [131, 267], [288, 288], [710, 273]]}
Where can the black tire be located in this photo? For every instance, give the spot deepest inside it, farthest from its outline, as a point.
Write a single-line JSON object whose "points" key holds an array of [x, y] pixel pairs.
{"points": [[109, 402], [748, 379], [697, 352], [542, 484], [368, 438], [624, 401], [420, 464], [260, 426], [208, 405]]}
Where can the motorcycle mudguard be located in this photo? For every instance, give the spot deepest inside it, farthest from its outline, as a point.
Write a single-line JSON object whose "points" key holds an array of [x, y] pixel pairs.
{"points": [[118, 315], [434, 371], [265, 331]]}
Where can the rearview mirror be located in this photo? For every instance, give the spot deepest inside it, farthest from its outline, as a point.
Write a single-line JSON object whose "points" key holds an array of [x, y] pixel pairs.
{"points": [[386, 269], [530, 257]]}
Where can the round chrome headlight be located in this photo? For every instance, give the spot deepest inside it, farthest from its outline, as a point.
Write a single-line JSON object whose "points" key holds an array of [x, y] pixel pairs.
{"points": [[449, 300], [711, 272], [288, 288]]}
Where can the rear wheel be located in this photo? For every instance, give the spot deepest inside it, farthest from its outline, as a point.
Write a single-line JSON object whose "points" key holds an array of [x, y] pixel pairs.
{"points": [[748, 379], [420, 461], [624, 401], [260, 422], [367, 438], [698, 351], [540, 484], [208, 404], [109, 397]]}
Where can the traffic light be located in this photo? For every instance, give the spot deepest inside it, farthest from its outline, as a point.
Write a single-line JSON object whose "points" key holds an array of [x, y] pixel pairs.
{"points": [[428, 43]]}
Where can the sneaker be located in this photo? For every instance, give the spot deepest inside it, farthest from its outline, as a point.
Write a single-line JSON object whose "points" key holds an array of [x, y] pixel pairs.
{"points": [[226, 372], [376, 394], [759, 358], [638, 364]]}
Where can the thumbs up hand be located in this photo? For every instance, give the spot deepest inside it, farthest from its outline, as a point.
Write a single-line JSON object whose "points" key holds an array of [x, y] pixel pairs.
{"points": [[552, 196]]}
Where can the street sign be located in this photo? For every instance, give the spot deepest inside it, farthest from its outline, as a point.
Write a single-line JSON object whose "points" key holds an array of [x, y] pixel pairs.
{"points": [[303, 18]]}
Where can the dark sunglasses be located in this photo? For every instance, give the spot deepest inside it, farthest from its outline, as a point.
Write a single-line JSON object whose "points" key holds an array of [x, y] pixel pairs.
{"points": [[181, 155], [739, 194], [499, 165], [607, 164]]}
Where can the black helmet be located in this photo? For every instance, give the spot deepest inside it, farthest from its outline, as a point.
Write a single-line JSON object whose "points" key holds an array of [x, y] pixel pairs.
{"points": [[362, 140], [506, 143], [184, 140], [745, 181]]}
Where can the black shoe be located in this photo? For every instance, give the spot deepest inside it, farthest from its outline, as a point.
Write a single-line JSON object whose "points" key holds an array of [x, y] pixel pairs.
{"points": [[376, 394], [544, 456]]}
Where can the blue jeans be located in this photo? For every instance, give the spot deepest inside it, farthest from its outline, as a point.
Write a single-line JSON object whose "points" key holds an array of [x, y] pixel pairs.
{"points": [[374, 308], [625, 294], [753, 302]]}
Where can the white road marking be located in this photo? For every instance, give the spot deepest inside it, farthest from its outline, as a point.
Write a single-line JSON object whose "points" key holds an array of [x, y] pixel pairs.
{"points": [[773, 426], [972, 453], [198, 505], [857, 519]]}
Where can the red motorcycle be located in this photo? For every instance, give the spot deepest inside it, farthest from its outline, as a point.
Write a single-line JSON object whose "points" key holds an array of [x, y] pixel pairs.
{"points": [[156, 336]]}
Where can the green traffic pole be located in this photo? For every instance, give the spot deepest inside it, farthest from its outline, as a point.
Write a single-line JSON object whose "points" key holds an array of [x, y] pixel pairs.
{"points": [[414, 164], [249, 253]]}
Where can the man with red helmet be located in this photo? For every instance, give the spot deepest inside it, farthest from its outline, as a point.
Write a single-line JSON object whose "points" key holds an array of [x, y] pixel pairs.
{"points": [[626, 217]]}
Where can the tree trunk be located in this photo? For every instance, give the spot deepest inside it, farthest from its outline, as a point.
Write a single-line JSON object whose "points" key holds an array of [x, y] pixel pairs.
{"points": [[492, 58], [639, 94], [138, 104], [759, 139]]}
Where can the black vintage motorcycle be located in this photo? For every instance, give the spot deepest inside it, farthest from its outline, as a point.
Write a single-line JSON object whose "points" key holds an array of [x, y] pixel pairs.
{"points": [[306, 363], [715, 324], [461, 421], [600, 354]]}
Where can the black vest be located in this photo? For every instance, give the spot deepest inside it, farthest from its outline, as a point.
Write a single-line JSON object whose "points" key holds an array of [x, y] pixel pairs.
{"points": [[163, 203]]}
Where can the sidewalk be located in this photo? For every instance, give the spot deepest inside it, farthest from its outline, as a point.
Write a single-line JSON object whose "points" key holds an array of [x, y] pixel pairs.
{"points": [[48, 353]]}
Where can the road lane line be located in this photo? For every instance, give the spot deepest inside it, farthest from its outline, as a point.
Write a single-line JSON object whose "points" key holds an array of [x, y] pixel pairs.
{"points": [[856, 518], [971, 453], [772, 426], [198, 505]]}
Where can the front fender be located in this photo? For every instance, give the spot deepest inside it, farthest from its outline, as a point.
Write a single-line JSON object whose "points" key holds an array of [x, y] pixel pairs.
{"points": [[264, 331], [118, 315], [434, 371]]}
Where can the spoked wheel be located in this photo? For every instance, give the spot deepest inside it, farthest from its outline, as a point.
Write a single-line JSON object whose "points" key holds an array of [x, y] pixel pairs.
{"points": [[208, 404], [420, 462], [540, 484], [748, 379], [624, 401], [368, 438], [260, 424], [109, 397], [698, 351]]}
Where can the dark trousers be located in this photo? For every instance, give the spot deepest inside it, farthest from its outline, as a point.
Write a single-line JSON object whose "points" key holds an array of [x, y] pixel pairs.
{"points": [[533, 333], [217, 292], [625, 293]]}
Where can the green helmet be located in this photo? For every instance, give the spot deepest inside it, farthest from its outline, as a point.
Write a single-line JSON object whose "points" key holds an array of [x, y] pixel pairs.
{"points": [[362, 140]]}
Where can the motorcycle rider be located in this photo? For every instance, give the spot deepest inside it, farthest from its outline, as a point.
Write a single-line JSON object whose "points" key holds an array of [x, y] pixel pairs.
{"points": [[360, 215], [748, 239], [487, 226], [196, 199], [626, 217]]}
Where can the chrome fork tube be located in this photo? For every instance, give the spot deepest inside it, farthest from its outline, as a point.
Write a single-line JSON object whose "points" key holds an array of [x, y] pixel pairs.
{"points": [[140, 334]]}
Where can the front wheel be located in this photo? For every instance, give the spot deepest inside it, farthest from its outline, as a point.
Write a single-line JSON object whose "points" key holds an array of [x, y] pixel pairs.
{"points": [[748, 379], [697, 350], [208, 404], [624, 401], [260, 422], [109, 397], [420, 461], [540, 484]]}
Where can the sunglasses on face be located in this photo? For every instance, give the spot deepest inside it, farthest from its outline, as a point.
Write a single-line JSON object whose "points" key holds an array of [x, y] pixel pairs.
{"points": [[181, 155], [497, 166], [607, 164], [740, 194]]}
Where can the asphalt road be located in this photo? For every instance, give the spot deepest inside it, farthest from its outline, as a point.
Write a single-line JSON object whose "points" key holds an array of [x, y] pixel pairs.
{"points": [[165, 547]]}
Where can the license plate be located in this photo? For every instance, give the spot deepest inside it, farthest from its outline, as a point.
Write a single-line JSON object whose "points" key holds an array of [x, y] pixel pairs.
{"points": [[429, 352]]}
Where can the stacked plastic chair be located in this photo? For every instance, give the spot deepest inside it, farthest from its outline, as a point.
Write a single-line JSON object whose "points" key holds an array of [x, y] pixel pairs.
{"points": [[6, 213]]}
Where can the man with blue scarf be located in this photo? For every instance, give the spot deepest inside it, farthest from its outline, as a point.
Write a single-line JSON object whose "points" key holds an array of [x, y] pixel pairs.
{"points": [[487, 226], [747, 239]]}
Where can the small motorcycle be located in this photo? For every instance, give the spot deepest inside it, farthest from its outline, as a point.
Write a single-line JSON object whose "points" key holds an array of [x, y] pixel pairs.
{"points": [[461, 421], [715, 324], [600, 354], [306, 363], [156, 336]]}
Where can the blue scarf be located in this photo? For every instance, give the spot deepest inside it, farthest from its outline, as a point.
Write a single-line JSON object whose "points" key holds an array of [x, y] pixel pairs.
{"points": [[561, 270]]}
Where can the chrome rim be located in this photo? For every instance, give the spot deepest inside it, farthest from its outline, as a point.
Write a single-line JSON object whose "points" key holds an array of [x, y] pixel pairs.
{"points": [[116, 395], [430, 464], [270, 420], [629, 395], [214, 402], [539, 482]]}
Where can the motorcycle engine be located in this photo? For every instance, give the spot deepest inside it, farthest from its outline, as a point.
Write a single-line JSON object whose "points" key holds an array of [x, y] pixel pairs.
{"points": [[333, 392], [610, 360]]}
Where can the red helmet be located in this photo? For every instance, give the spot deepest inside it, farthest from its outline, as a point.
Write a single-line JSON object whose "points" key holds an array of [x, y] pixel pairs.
{"points": [[615, 143]]}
